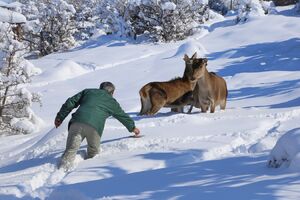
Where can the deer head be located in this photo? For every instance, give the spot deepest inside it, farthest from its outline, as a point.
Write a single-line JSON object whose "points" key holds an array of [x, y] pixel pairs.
{"points": [[195, 68]]}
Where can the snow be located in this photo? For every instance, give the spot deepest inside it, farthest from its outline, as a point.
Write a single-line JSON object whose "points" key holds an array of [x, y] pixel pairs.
{"points": [[11, 16], [30, 69], [190, 47], [4, 3], [223, 155], [168, 6], [23, 124], [66, 69], [287, 150]]}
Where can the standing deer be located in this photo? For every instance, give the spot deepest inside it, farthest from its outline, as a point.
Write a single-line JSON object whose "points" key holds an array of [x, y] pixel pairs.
{"points": [[210, 91], [156, 95]]}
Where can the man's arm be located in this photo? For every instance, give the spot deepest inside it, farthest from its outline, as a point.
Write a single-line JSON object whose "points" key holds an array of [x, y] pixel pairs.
{"points": [[124, 118], [67, 107]]}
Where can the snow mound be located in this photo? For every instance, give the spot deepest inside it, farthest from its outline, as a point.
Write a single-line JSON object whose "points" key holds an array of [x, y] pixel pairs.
{"points": [[189, 48], [30, 69], [10, 16], [261, 146], [215, 17], [295, 163], [287, 151], [27, 125], [169, 6], [66, 69]]}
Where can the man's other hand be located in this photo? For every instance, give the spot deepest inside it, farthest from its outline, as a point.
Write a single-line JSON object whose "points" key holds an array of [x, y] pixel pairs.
{"points": [[57, 122], [136, 132]]}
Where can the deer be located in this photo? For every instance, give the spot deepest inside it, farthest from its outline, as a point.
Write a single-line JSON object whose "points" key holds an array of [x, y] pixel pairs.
{"points": [[209, 92], [155, 95]]}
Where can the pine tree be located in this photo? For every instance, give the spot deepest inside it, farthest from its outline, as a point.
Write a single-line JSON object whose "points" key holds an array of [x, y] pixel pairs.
{"points": [[166, 20], [218, 6], [248, 9], [86, 18], [114, 17], [51, 25], [16, 115]]}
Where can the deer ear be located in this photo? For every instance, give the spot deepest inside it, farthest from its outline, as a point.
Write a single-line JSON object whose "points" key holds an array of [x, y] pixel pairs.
{"points": [[194, 56], [186, 58]]}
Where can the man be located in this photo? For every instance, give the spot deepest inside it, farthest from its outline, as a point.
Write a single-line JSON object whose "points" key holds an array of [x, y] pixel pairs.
{"points": [[95, 106]]}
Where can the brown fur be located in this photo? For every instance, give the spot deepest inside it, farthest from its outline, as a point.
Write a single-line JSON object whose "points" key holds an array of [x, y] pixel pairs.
{"points": [[210, 91], [156, 95]]}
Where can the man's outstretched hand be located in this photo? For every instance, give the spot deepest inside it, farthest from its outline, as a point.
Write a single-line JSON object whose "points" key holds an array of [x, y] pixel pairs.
{"points": [[57, 122], [136, 132]]}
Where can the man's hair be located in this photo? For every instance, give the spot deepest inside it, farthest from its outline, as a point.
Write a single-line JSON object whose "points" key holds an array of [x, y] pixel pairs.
{"points": [[108, 86]]}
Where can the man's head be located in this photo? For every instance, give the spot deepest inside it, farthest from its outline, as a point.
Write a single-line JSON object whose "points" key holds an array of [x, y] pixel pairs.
{"points": [[108, 86]]}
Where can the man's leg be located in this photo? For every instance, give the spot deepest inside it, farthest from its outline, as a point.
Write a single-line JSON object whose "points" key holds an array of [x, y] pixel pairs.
{"points": [[73, 144], [93, 141]]}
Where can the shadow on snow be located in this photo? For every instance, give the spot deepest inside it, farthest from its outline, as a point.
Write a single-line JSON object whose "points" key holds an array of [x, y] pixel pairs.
{"points": [[233, 178], [279, 88], [273, 56]]}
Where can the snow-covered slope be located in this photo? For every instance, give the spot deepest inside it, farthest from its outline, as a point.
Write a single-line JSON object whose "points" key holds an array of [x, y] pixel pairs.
{"points": [[198, 156]]}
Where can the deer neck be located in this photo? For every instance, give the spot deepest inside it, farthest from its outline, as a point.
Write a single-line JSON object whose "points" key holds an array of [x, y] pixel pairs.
{"points": [[193, 85], [204, 78], [189, 85]]}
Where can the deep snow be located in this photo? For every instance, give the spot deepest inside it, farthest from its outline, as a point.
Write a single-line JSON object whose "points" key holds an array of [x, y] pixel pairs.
{"points": [[223, 155]]}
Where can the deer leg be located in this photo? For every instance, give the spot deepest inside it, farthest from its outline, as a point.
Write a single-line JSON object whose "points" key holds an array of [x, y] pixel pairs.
{"points": [[223, 104], [204, 108], [187, 98], [204, 105], [212, 107], [157, 104], [178, 110], [156, 108], [158, 100], [142, 112], [145, 106], [174, 109], [190, 110]]}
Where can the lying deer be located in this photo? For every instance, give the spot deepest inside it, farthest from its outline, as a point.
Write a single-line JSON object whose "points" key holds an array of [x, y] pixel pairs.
{"points": [[156, 95], [210, 91]]}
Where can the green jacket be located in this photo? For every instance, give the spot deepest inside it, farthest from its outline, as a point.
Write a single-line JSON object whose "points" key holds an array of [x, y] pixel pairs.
{"points": [[96, 105]]}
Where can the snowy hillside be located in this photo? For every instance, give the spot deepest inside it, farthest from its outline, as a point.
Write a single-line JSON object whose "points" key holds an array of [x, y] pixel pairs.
{"points": [[194, 156]]}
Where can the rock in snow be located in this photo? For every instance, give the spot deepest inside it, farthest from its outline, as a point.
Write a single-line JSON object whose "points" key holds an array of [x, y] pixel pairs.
{"points": [[286, 151]]}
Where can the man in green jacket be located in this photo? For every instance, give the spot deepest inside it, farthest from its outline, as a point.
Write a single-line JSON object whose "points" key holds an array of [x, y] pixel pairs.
{"points": [[95, 106]]}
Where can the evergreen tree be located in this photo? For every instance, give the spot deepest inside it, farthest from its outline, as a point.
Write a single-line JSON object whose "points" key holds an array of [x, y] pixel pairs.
{"points": [[166, 20], [86, 18], [248, 9], [114, 17], [16, 115], [50, 26], [218, 6]]}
